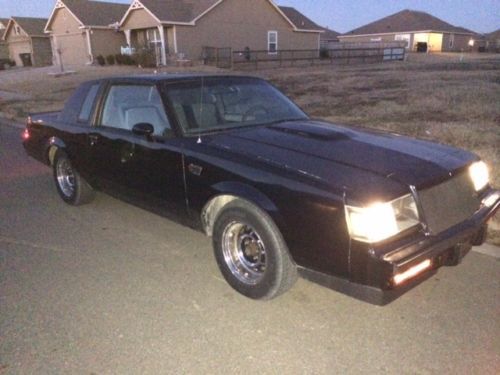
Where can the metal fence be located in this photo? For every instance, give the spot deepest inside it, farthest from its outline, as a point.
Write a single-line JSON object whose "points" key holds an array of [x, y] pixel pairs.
{"points": [[219, 57], [342, 54]]}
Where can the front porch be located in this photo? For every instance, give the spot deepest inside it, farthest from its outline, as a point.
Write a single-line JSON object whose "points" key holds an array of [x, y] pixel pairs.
{"points": [[159, 41]]}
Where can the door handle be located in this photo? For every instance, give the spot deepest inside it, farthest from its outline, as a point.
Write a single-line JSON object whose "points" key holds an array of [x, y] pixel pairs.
{"points": [[94, 138]]}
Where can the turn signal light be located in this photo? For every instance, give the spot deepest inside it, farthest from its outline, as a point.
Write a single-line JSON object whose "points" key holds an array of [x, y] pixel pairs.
{"points": [[411, 272]]}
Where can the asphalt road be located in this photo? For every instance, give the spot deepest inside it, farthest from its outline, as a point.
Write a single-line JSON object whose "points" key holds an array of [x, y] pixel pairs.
{"points": [[110, 288]]}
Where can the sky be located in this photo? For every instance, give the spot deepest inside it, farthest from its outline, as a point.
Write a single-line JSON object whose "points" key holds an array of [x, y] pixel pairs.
{"points": [[482, 16]]}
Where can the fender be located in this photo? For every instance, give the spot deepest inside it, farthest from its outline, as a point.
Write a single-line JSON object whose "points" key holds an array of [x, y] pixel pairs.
{"points": [[252, 195], [53, 141]]}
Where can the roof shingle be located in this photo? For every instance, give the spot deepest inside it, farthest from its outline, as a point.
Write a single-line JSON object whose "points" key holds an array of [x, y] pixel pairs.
{"points": [[329, 34], [407, 20], [178, 10], [32, 26], [300, 21], [96, 13]]}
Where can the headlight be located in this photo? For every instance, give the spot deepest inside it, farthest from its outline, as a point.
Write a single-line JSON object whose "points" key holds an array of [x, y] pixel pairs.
{"points": [[382, 220], [479, 175]]}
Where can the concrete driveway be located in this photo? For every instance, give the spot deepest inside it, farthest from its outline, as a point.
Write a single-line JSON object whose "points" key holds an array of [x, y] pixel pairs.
{"points": [[110, 288]]}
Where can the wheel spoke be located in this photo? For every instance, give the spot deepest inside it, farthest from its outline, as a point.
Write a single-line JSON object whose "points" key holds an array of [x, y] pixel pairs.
{"points": [[65, 177], [244, 252]]}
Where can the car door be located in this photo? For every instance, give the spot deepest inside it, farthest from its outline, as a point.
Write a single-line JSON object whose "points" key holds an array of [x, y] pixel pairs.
{"points": [[147, 170]]}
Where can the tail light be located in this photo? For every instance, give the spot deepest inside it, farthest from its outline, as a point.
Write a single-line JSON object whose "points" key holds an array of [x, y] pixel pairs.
{"points": [[25, 135], [26, 132]]}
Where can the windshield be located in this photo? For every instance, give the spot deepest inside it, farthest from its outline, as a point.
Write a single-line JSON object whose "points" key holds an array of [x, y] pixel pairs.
{"points": [[217, 103]]}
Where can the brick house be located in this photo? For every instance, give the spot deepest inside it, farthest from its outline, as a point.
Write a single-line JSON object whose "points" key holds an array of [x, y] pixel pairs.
{"points": [[415, 27], [171, 27], [27, 43], [80, 30]]}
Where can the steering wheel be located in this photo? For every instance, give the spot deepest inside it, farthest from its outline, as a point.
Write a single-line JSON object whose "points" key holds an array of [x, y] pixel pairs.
{"points": [[254, 111]]}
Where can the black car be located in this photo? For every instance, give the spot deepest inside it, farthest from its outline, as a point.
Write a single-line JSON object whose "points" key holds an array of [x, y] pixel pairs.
{"points": [[364, 212]]}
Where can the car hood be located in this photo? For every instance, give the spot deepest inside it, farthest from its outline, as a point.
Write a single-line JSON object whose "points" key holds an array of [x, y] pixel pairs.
{"points": [[325, 150]]}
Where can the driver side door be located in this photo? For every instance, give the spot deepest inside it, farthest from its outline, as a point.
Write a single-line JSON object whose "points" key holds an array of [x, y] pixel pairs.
{"points": [[146, 170]]}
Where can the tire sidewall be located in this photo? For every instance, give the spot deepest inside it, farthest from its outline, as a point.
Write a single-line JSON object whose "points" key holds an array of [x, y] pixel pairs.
{"points": [[266, 288]]}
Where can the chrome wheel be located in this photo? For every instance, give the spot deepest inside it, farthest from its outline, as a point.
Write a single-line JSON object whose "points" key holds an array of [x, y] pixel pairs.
{"points": [[244, 252], [65, 177]]}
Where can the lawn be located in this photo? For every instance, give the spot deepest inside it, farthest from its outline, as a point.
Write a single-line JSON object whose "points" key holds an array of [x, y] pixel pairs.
{"points": [[445, 99]]}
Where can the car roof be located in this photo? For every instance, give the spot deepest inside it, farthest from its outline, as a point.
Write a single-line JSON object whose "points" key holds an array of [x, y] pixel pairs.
{"points": [[173, 77]]}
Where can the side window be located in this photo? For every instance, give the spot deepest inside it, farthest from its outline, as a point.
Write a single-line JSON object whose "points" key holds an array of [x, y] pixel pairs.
{"points": [[88, 104], [128, 105], [272, 42]]}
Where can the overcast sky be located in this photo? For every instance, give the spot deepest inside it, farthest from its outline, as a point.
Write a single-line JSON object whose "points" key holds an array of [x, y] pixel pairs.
{"points": [[341, 15]]}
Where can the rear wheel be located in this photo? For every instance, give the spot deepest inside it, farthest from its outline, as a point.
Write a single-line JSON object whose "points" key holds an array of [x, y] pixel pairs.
{"points": [[72, 188], [251, 252]]}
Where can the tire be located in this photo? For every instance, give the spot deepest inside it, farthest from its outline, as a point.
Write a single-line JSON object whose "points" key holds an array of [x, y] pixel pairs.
{"points": [[251, 253], [72, 188]]}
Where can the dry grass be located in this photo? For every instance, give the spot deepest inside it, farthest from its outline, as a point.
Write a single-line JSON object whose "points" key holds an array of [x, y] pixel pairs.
{"points": [[446, 98]]}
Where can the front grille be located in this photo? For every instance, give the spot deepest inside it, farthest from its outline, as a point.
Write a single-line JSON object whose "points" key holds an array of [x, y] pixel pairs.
{"points": [[449, 203]]}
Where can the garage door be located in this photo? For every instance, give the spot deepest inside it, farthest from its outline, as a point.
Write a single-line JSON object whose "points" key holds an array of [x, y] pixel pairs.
{"points": [[73, 49]]}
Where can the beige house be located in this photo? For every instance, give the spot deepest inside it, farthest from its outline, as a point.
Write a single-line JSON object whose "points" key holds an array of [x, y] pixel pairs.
{"points": [[4, 50], [81, 30], [493, 41], [26, 42], [183, 27], [415, 28]]}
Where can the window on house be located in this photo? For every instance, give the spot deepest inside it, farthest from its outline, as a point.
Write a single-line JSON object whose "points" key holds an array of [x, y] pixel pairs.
{"points": [[403, 38], [17, 30], [272, 41], [452, 41]]}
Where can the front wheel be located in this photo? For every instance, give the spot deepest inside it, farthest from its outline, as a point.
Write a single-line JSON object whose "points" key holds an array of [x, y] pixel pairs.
{"points": [[251, 252], [72, 188]]}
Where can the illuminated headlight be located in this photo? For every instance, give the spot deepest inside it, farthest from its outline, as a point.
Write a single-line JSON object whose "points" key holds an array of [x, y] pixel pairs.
{"points": [[479, 174], [382, 220]]}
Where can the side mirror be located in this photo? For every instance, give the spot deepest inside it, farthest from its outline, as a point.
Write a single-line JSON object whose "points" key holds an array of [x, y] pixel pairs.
{"points": [[143, 129]]}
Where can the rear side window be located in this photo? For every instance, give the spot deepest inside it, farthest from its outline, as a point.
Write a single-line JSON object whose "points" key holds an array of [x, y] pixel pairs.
{"points": [[88, 103]]}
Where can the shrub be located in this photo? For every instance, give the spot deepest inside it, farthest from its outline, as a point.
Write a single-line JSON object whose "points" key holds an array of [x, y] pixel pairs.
{"points": [[100, 60], [110, 59], [119, 58], [146, 58], [324, 53], [128, 60]]}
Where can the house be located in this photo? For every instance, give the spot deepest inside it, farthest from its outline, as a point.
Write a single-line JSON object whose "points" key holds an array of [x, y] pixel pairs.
{"points": [[493, 41], [81, 30], [26, 42], [329, 37], [4, 50], [184, 27], [416, 28]]}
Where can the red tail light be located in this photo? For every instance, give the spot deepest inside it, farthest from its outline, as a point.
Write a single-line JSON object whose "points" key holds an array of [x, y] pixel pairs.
{"points": [[25, 135]]}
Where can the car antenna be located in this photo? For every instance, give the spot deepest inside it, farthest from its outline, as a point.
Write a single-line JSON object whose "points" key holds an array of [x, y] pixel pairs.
{"points": [[199, 141]]}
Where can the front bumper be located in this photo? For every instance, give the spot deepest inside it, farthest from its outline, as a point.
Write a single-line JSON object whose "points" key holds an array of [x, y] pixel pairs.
{"points": [[373, 269]]}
